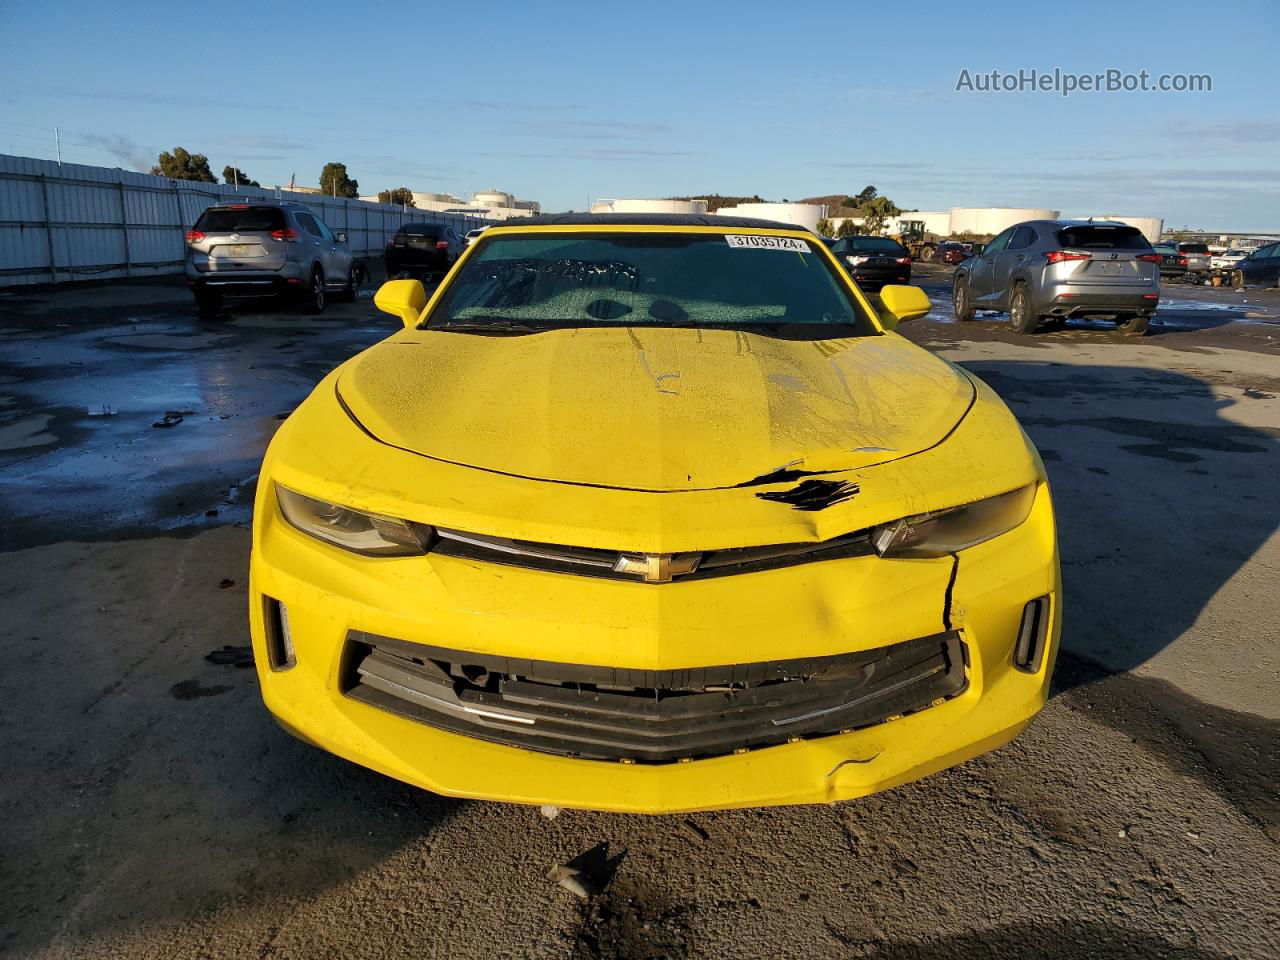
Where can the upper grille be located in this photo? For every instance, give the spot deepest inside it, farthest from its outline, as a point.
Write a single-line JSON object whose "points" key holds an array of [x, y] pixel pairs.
{"points": [[650, 716], [651, 568]]}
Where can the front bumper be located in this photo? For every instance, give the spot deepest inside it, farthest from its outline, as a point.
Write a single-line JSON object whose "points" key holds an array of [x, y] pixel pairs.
{"points": [[828, 607]]}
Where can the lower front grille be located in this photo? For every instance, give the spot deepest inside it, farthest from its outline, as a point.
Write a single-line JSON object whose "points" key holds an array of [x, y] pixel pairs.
{"points": [[650, 716]]}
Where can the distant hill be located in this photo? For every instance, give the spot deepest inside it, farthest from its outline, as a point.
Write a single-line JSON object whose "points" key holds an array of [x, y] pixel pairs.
{"points": [[837, 204], [715, 201]]}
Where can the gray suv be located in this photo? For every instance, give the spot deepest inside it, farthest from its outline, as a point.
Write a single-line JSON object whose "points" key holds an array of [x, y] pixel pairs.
{"points": [[1046, 269], [273, 248]]}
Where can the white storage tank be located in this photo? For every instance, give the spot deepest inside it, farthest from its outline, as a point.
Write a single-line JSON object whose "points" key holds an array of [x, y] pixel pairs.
{"points": [[634, 205], [1151, 227], [804, 215], [994, 219], [493, 198]]}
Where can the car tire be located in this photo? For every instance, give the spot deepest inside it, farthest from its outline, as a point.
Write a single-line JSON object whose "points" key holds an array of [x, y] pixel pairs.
{"points": [[1021, 314], [1133, 325], [352, 290], [208, 305], [313, 301], [962, 300]]}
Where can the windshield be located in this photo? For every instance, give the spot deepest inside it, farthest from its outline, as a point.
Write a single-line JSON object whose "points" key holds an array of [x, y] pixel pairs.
{"points": [[546, 281]]}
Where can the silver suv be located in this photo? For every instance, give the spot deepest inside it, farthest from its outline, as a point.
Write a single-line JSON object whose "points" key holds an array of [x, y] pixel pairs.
{"points": [[273, 248], [1046, 269]]}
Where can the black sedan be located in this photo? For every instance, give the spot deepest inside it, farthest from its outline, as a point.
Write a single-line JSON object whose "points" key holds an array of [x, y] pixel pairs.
{"points": [[422, 249], [1260, 269], [874, 261], [1172, 262]]}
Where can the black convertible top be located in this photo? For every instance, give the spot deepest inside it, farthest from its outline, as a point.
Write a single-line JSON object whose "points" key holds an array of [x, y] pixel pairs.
{"points": [[641, 220]]}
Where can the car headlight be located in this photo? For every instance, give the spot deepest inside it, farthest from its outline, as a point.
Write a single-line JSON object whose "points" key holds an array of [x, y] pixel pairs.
{"points": [[355, 530], [946, 531]]}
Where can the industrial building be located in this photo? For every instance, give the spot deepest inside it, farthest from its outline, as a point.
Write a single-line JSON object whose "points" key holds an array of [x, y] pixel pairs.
{"points": [[1151, 227], [492, 204], [804, 215], [687, 207], [988, 221], [979, 221]]}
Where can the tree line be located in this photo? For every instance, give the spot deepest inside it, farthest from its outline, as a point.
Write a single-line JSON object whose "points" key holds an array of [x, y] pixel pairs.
{"points": [[181, 164]]}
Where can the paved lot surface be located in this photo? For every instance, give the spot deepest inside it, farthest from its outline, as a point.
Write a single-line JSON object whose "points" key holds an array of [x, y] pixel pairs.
{"points": [[151, 809]]}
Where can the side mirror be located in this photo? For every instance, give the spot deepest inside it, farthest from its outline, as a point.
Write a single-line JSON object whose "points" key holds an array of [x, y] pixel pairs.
{"points": [[900, 303], [340, 236], [978, 248], [405, 299]]}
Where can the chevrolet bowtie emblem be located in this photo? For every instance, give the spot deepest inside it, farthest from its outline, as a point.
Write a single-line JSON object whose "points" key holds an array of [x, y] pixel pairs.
{"points": [[657, 567]]}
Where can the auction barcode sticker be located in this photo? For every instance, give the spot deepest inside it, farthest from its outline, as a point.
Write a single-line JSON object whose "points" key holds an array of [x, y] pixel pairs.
{"points": [[790, 244]]}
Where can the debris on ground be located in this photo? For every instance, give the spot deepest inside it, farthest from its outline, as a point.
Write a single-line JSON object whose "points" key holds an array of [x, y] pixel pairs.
{"points": [[696, 830], [172, 418], [548, 811], [230, 656], [589, 873], [103, 411], [225, 581]]}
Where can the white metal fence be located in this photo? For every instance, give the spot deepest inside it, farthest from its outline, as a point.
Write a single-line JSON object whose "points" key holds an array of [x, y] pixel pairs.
{"points": [[61, 222]]}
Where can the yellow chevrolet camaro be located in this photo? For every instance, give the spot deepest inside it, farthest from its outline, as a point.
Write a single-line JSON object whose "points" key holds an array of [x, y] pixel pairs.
{"points": [[653, 514]]}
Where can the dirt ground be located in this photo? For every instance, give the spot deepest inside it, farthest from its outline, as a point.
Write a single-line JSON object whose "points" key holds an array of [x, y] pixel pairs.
{"points": [[152, 809]]}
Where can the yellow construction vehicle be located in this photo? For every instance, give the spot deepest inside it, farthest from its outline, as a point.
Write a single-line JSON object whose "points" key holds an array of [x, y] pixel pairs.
{"points": [[919, 243]]}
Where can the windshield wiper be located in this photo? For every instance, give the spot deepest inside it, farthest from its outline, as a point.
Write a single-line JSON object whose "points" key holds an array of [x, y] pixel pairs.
{"points": [[489, 326]]}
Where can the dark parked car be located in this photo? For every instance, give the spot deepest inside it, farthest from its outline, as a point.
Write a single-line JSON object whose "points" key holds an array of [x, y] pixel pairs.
{"points": [[421, 249], [952, 252], [1172, 262], [1260, 269], [874, 261]]}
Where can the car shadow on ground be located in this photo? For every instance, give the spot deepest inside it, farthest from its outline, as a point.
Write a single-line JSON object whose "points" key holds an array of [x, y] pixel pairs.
{"points": [[147, 783], [1065, 940], [1163, 495], [1160, 498]]}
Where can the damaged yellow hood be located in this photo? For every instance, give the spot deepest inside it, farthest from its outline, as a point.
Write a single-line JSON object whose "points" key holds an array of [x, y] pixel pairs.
{"points": [[657, 409]]}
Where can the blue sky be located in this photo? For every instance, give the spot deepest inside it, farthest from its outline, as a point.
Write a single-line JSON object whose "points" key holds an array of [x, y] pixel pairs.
{"points": [[559, 102]]}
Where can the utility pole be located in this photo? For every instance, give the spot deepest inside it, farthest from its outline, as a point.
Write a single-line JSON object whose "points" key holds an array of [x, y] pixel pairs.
{"points": [[235, 174], [57, 140]]}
